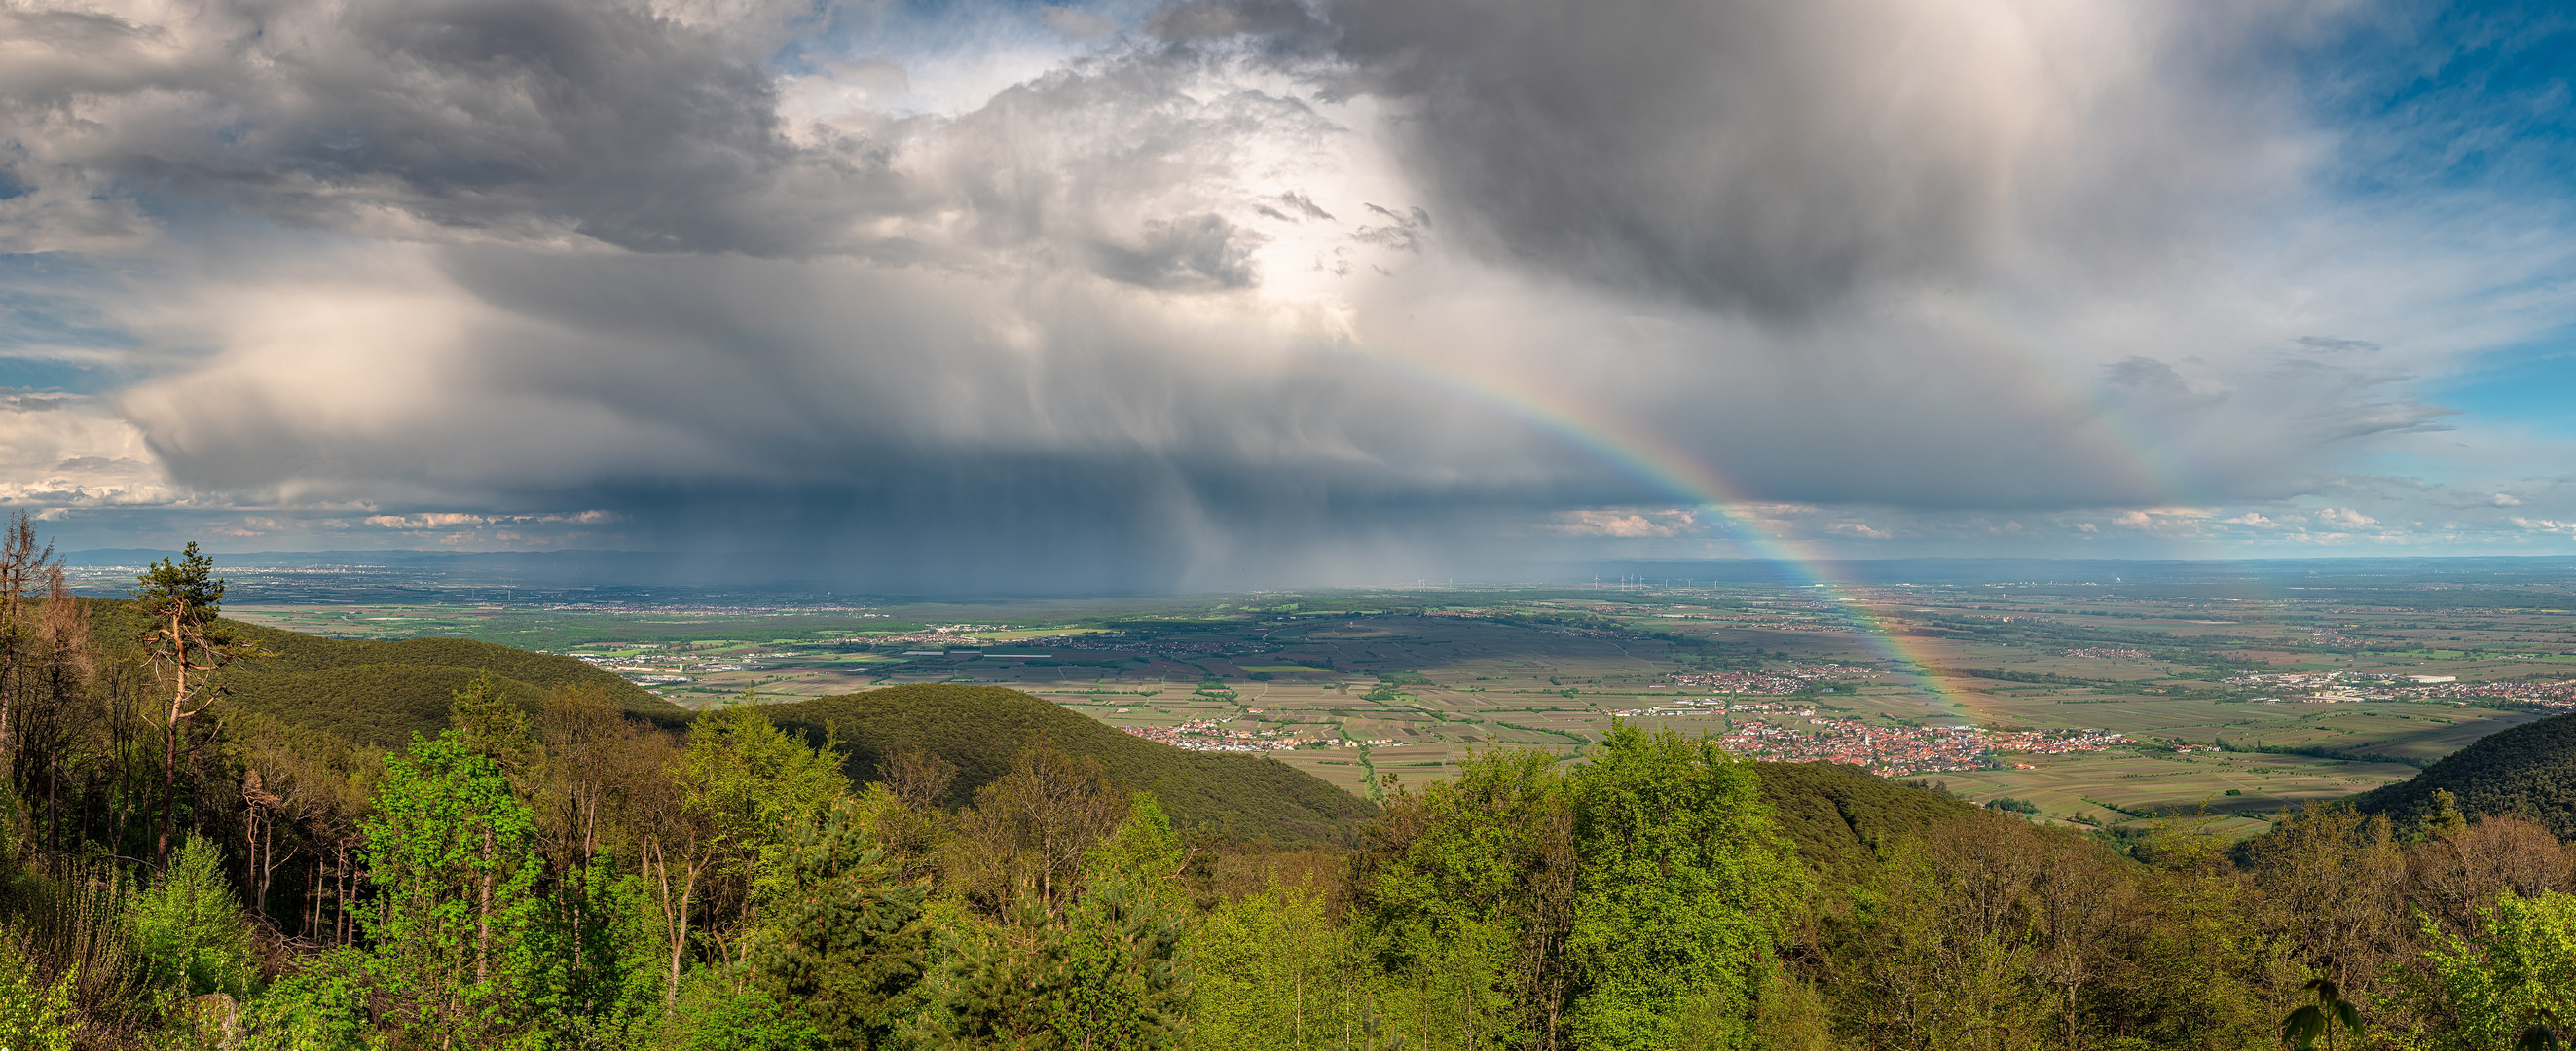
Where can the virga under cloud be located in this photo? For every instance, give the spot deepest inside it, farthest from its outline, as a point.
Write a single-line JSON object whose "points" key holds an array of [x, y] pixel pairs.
{"points": [[1227, 293]]}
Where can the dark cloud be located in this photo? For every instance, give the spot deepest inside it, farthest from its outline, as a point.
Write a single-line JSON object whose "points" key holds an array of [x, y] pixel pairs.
{"points": [[1780, 157], [1205, 20], [1749, 153], [521, 119]]}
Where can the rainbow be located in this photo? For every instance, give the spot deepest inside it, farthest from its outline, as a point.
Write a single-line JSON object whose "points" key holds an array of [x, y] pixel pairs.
{"points": [[1688, 479], [1655, 459]]}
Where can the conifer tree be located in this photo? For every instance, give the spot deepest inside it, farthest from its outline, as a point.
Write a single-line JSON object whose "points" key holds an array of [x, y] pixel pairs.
{"points": [[183, 598], [844, 945]]}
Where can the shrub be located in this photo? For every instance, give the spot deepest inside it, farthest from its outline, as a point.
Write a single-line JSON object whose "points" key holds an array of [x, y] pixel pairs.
{"points": [[188, 927], [715, 1015], [322, 1008], [35, 1015]]}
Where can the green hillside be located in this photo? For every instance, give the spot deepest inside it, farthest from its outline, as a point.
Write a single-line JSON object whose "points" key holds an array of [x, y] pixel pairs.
{"points": [[979, 728], [382, 692], [2529, 770], [1837, 814]]}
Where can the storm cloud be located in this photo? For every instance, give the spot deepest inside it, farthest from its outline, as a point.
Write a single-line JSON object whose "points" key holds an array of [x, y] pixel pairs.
{"points": [[1228, 294]]}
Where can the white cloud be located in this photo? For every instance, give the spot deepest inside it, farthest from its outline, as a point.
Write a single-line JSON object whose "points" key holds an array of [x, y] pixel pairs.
{"points": [[62, 451], [1628, 525]]}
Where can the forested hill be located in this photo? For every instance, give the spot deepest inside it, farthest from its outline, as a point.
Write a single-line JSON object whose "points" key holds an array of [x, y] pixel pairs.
{"points": [[380, 693], [2529, 770], [980, 728], [1840, 815]]}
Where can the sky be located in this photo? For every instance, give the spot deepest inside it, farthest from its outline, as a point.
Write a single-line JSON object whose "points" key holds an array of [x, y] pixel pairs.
{"points": [[1215, 294]]}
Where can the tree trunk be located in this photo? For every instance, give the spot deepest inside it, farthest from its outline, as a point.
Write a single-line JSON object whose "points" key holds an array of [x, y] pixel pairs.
{"points": [[679, 938], [675, 914], [169, 786], [250, 837], [170, 741], [344, 923], [8, 696], [483, 916]]}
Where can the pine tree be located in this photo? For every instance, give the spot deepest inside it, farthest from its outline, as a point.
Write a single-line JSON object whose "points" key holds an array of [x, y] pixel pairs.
{"points": [[843, 946], [183, 598]]}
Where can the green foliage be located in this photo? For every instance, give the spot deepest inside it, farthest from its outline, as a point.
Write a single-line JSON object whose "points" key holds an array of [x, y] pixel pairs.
{"points": [[321, 1008], [843, 947], [2518, 978], [600, 985], [1112, 974], [2443, 818], [35, 1014], [759, 788], [2330, 1014], [1107, 971], [1272, 970], [188, 927], [372, 705], [187, 588], [1144, 853], [1685, 886], [1837, 814], [489, 725], [1465, 898], [715, 1013], [980, 728], [449, 852], [2528, 769]]}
